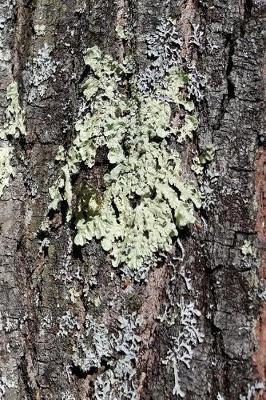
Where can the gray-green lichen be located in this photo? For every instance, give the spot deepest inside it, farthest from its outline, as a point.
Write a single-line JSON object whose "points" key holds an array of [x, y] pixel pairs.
{"points": [[184, 313], [203, 159], [146, 200], [163, 52], [189, 336], [39, 29], [5, 385], [253, 391], [6, 169], [14, 126], [15, 117], [41, 69], [118, 350], [247, 249]]}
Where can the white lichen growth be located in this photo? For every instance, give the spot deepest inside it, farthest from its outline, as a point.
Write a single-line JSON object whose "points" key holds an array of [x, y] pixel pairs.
{"points": [[118, 382], [67, 324], [39, 29], [262, 295], [253, 391], [200, 162], [207, 188], [197, 83], [182, 349], [6, 169], [196, 36], [247, 249], [5, 385], [88, 356], [146, 200], [184, 313], [117, 350], [41, 69], [13, 127], [15, 117], [67, 396], [6, 14], [163, 51]]}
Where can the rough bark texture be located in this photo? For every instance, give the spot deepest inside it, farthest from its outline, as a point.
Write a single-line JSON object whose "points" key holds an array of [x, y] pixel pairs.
{"points": [[44, 307]]}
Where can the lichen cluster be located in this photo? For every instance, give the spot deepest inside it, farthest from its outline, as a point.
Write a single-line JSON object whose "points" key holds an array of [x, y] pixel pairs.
{"points": [[41, 69], [182, 311], [13, 127], [247, 249], [139, 121], [163, 52], [15, 117], [200, 162], [119, 350], [146, 200], [6, 169], [184, 343]]}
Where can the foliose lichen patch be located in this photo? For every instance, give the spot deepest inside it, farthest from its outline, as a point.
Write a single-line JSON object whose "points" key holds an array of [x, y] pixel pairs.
{"points": [[41, 69], [146, 200], [13, 127], [15, 117], [181, 310], [118, 350], [6, 169], [247, 249], [139, 122]]}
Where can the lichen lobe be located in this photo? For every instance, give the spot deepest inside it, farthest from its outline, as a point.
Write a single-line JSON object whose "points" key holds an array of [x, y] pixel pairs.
{"points": [[146, 201]]}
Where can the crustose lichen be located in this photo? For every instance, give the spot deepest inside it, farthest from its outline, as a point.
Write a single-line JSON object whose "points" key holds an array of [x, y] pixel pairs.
{"points": [[14, 126], [6, 169], [146, 200]]}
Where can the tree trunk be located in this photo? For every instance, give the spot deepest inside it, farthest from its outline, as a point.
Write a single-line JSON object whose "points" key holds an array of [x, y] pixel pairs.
{"points": [[192, 325]]}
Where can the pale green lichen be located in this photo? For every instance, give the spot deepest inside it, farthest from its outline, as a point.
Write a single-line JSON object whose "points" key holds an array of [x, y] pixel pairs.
{"points": [[123, 32], [203, 159], [146, 200], [14, 126], [15, 117], [6, 169], [39, 29], [247, 249], [120, 31]]}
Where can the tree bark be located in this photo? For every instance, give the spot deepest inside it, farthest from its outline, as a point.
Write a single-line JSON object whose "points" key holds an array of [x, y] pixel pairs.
{"points": [[61, 303]]}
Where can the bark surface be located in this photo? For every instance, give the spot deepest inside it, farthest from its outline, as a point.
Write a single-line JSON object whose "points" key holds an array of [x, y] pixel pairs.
{"points": [[52, 291]]}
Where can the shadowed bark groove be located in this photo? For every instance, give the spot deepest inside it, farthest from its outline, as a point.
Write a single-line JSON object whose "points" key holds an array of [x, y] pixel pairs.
{"points": [[260, 355]]}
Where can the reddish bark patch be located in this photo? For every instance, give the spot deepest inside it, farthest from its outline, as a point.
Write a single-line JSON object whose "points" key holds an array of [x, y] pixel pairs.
{"points": [[121, 21], [185, 23], [260, 355], [149, 313]]}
